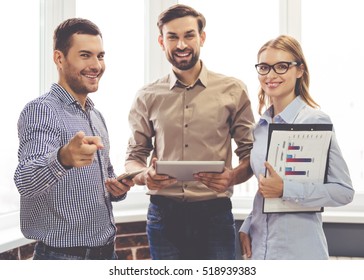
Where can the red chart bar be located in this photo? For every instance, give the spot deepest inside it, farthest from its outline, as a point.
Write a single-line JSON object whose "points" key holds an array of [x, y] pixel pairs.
{"points": [[295, 172], [291, 147], [290, 159]]}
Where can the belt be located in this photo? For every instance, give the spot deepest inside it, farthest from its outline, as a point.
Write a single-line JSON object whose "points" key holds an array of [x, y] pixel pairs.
{"points": [[99, 253], [216, 205]]}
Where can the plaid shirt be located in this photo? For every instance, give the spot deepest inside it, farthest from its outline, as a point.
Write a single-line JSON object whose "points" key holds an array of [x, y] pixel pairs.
{"points": [[60, 207]]}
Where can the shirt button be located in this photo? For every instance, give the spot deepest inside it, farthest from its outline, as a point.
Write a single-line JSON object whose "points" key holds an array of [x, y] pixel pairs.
{"points": [[186, 106], [186, 145], [186, 125], [59, 173]]}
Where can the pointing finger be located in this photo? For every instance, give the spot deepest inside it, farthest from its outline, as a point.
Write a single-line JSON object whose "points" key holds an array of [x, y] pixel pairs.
{"points": [[93, 140], [78, 138]]}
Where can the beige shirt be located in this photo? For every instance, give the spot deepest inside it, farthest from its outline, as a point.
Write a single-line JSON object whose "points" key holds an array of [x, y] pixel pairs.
{"points": [[197, 122]]}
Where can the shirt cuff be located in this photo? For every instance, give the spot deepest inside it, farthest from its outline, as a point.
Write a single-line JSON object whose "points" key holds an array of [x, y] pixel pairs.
{"points": [[292, 191], [55, 166], [65, 167], [118, 198], [245, 227]]}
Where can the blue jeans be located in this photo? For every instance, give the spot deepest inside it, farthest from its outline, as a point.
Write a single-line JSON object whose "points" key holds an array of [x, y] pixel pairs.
{"points": [[44, 252], [191, 230]]}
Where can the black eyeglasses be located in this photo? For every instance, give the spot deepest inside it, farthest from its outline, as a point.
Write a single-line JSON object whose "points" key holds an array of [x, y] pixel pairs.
{"points": [[279, 67]]}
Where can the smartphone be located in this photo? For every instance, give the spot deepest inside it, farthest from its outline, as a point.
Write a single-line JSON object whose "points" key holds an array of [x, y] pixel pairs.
{"points": [[129, 175]]}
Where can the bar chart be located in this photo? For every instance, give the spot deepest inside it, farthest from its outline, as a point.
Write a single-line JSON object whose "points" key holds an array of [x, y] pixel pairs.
{"points": [[299, 155]]}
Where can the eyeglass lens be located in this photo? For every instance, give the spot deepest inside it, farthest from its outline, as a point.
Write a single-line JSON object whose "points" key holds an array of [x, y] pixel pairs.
{"points": [[279, 68]]}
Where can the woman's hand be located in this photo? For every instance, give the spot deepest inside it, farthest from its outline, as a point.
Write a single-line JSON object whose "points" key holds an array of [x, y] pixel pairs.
{"points": [[272, 185]]}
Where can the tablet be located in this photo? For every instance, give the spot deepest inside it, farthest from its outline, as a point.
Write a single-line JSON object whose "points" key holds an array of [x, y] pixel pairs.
{"points": [[184, 170]]}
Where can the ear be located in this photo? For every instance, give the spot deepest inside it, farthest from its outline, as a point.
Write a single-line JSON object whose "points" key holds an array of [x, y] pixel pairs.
{"points": [[160, 41], [301, 70], [58, 58], [203, 38]]}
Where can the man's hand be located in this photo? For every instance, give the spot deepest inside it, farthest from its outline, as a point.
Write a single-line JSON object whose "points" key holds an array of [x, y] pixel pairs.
{"points": [[154, 181], [218, 182], [80, 150], [118, 189]]}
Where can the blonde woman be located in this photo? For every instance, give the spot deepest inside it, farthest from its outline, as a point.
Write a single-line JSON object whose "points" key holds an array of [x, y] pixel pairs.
{"points": [[284, 80]]}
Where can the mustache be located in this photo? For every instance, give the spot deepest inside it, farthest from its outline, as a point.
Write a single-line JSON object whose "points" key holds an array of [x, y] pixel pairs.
{"points": [[182, 50]]}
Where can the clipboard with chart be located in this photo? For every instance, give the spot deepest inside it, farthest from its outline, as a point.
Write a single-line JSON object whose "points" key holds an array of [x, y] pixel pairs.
{"points": [[297, 152]]}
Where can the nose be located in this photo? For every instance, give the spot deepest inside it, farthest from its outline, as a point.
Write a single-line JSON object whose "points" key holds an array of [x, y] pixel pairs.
{"points": [[181, 44], [96, 64], [272, 73]]}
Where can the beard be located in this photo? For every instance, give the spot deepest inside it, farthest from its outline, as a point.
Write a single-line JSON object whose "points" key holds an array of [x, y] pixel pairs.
{"points": [[184, 64], [78, 84]]}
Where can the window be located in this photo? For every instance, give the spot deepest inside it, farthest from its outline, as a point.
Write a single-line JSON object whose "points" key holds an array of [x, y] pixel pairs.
{"points": [[332, 45], [123, 35], [20, 83]]}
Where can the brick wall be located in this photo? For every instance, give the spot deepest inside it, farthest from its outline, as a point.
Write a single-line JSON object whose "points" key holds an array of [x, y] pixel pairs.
{"points": [[131, 244]]}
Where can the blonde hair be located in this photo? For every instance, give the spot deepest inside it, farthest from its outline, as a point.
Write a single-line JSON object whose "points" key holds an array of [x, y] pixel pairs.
{"points": [[289, 44]]}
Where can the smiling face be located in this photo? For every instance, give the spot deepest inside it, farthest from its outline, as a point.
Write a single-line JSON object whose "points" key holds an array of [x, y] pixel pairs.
{"points": [[181, 42], [81, 70], [280, 88]]}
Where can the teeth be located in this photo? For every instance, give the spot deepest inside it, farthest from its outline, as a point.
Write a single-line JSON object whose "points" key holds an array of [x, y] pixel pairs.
{"points": [[182, 54], [91, 77], [272, 84]]}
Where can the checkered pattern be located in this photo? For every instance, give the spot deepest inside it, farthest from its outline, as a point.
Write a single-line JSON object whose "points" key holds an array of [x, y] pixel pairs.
{"points": [[62, 207]]}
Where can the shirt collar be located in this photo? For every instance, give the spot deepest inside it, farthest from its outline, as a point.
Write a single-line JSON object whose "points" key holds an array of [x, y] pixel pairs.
{"points": [[67, 98], [201, 79], [288, 115]]}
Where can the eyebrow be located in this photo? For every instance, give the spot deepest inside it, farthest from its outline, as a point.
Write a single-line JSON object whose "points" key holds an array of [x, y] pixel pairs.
{"points": [[191, 31], [89, 52], [187, 32]]}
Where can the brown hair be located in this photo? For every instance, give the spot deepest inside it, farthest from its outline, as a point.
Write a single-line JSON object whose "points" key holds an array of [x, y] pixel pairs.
{"points": [[64, 31], [289, 44], [179, 11]]}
